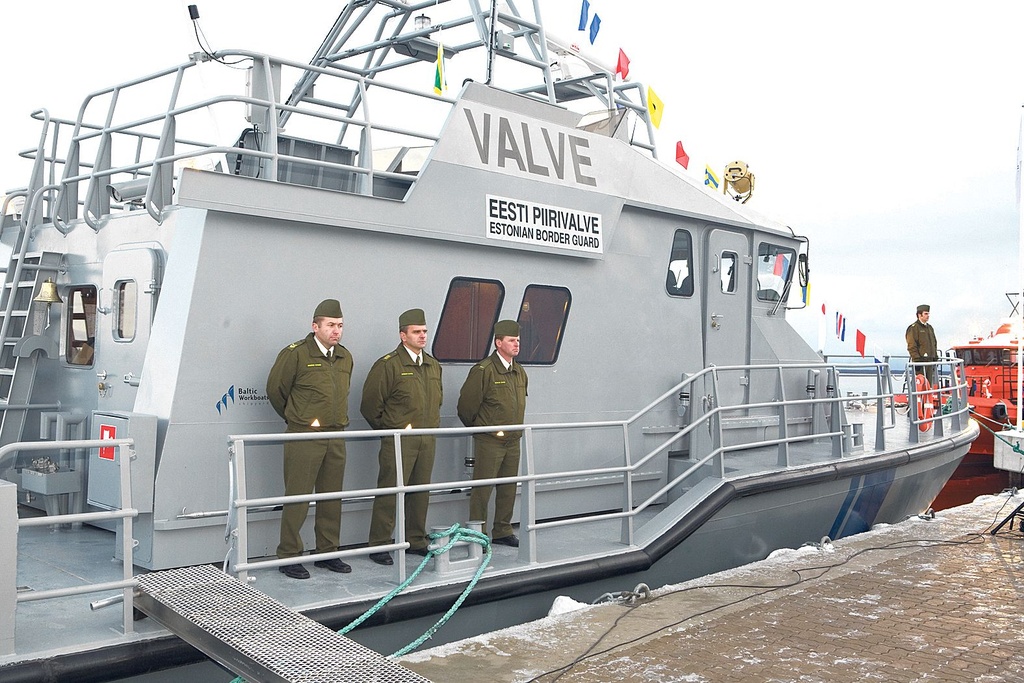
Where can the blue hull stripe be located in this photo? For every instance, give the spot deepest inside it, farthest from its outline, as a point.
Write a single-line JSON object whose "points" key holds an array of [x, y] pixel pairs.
{"points": [[862, 504]]}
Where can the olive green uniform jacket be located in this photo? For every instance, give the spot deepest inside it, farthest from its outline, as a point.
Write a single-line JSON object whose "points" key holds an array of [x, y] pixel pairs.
{"points": [[305, 386], [492, 395], [921, 343], [397, 394]]}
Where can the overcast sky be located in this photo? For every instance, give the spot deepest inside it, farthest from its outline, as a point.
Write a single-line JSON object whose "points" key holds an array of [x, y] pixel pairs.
{"points": [[886, 132]]}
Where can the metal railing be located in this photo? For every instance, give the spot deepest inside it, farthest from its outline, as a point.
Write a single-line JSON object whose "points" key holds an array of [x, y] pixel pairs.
{"points": [[816, 416], [126, 514]]}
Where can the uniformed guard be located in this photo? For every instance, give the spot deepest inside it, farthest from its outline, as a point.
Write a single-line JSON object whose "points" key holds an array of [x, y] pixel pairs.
{"points": [[921, 343], [494, 393], [403, 391], [308, 386]]}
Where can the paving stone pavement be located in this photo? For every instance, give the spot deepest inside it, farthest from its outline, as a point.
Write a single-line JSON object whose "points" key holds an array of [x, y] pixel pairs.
{"points": [[926, 600]]}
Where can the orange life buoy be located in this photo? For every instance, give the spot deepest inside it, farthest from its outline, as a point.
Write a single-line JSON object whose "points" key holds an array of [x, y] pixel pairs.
{"points": [[925, 407]]}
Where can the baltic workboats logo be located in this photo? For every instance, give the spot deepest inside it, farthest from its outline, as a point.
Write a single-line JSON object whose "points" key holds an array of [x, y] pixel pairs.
{"points": [[241, 395], [222, 404]]}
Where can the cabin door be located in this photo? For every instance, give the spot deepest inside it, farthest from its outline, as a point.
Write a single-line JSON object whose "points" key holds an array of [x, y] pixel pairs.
{"points": [[727, 314], [127, 301]]}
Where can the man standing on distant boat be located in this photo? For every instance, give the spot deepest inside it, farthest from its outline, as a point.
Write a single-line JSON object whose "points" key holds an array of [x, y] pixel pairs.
{"points": [[403, 391], [921, 343], [308, 386], [494, 393]]}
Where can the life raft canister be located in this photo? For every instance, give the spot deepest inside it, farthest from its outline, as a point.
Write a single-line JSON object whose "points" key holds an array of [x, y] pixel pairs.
{"points": [[925, 407]]}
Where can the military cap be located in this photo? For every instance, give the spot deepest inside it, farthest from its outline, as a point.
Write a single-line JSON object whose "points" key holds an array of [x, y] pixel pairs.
{"points": [[414, 316], [923, 308], [328, 308], [506, 328]]}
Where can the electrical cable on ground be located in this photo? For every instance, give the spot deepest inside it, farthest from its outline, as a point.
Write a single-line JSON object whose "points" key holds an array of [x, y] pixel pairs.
{"points": [[822, 570]]}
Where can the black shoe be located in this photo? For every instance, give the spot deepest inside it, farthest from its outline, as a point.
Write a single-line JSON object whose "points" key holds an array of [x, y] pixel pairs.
{"points": [[422, 552], [334, 564], [511, 541], [382, 558], [295, 571]]}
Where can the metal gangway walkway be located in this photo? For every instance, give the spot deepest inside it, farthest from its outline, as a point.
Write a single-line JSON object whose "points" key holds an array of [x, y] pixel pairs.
{"points": [[255, 636]]}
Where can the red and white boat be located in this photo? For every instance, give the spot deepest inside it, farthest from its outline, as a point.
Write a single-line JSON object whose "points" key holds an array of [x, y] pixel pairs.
{"points": [[990, 371]]}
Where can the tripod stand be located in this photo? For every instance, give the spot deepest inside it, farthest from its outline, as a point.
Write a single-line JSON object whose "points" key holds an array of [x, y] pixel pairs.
{"points": [[1009, 520]]}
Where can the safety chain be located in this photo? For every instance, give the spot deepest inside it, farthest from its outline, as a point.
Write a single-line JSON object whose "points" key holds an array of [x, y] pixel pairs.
{"points": [[641, 593]]}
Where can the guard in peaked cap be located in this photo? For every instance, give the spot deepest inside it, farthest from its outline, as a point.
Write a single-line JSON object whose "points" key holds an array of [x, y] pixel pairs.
{"points": [[922, 344], [414, 316], [494, 393], [328, 308], [403, 390], [506, 328], [308, 386]]}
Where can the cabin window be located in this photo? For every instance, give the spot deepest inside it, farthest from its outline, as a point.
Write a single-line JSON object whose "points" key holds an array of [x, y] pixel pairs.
{"points": [[773, 269], [80, 343], [542, 318], [126, 292], [987, 356], [727, 271], [466, 329], [679, 281]]}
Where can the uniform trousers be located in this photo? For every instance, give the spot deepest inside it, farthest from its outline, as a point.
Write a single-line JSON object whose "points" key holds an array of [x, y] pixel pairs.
{"points": [[417, 466], [494, 459], [312, 466]]}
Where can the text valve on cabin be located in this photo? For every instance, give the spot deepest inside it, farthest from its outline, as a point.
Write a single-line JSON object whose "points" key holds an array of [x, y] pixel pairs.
{"points": [[516, 220]]}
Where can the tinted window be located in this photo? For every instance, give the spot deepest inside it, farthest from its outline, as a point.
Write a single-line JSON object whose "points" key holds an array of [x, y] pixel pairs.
{"points": [[80, 342], [126, 292], [466, 328], [728, 271], [679, 281], [542, 317], [774, 264]]}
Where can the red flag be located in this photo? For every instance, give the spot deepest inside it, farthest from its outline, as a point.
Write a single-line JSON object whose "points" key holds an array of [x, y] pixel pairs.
{"points": [[861, 341], [681, 156], [622, 68]]}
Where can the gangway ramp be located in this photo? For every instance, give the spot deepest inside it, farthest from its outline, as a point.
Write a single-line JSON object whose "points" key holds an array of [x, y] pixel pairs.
{"points": [[255, 636]]}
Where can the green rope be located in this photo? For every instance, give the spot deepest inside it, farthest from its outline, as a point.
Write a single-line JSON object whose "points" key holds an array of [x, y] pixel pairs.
{"points": [[981, 419], [455, 533]]}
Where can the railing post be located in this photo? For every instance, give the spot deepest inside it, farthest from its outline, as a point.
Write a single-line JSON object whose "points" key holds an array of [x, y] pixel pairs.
{"points": [[9, 567], [241, 513], [400, 571], [783, 434], [126, 453], [835, 412], [528, 504], [914, 435], [883, 385], [627, 503]]}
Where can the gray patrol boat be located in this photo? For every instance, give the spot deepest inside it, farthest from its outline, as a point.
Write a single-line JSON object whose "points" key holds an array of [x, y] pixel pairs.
{"points": [[677, 424]]}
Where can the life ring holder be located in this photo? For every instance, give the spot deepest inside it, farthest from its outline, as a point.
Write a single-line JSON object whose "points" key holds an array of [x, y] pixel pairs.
{"points": [[925, 406]]}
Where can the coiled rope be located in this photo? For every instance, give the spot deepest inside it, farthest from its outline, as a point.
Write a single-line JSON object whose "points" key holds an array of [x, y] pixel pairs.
{"points": [[455, 533]]}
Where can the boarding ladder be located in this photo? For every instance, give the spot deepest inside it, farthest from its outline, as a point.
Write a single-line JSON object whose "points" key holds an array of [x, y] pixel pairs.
{"points": [[255, 636], [21, 345]]}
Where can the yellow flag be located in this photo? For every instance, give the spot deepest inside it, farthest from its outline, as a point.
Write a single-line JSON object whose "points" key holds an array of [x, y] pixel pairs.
{"points": [[439, 82], [655, 107]]}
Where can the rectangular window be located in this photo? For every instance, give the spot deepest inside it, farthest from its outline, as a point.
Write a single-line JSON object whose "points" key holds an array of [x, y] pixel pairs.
{"points": [[542, 318], [466, 329], [80, 342], [728, 271], [679, 281], [774, 264], [126, 292]]}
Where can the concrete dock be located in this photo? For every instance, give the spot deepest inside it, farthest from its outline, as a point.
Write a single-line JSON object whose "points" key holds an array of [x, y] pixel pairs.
{"points": [[938, 599]]}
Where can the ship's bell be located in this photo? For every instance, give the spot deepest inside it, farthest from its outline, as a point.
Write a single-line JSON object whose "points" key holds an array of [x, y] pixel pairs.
{"points": [[48, 293]]}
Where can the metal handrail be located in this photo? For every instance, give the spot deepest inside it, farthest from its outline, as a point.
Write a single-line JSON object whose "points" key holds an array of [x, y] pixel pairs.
{"points": [[237, 560], [126, 514]]}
